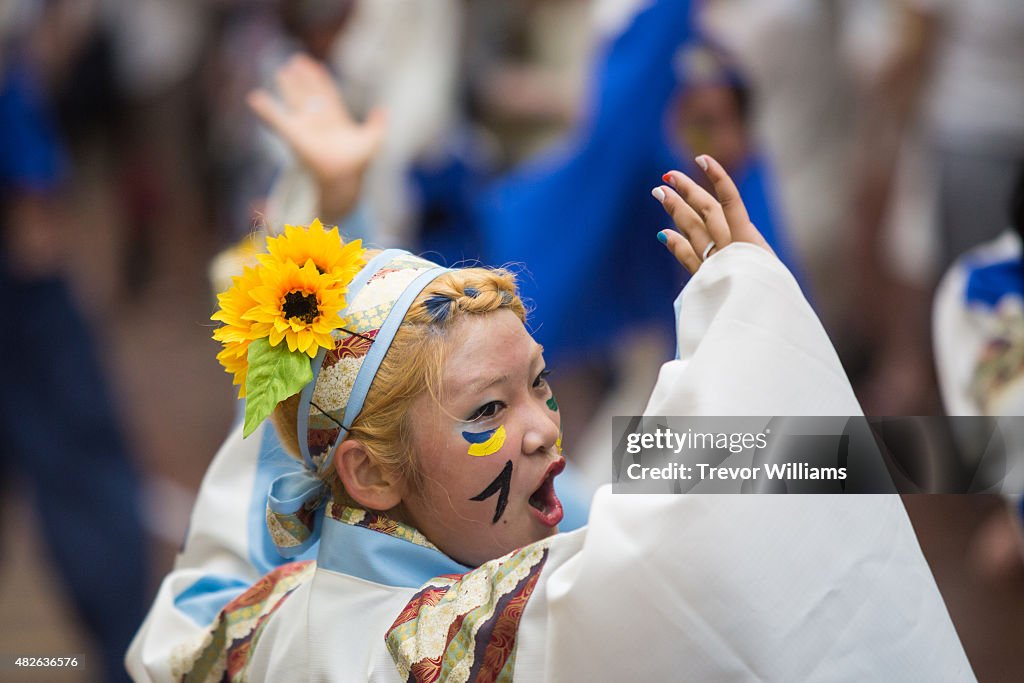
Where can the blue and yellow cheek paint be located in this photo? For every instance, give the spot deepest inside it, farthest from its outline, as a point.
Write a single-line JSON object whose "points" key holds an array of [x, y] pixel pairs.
{"points": [[553, 407], [485, 443]]}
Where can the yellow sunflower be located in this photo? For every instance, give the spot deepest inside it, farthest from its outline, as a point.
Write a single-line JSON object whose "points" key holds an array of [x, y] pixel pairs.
{"points": [[234, 304], [235, 359], [236, 332], [297, 305], [324, 247]]}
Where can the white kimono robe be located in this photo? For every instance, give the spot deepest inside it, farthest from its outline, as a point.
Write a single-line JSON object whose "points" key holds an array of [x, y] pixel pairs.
{"points": [[657, 587]]}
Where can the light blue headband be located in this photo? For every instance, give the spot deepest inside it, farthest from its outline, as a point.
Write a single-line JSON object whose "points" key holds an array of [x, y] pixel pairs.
{"points": [[378, 299]]}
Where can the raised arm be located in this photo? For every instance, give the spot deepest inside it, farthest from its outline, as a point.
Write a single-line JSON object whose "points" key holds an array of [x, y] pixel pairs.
{"points": [[748, 341], [740, 587], [312, 118]]}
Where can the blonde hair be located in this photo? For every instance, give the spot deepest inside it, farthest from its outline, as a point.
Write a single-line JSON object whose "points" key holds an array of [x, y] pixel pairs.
{"points": [[412, 365]]}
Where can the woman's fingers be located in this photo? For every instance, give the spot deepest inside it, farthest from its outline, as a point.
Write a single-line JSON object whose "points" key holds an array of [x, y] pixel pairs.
{"points": [[705, 205], [687, 221], [681, 249], [728, 196], [708, 223], [735, 211]]}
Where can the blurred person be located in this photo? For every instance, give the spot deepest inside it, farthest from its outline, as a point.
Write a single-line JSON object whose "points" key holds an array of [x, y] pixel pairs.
{"points": [[58, 427], [979, 323], [394, 56], [978, 328], [708, 113], [945, 123], [525, 67], [153, 61], [972, 98]]}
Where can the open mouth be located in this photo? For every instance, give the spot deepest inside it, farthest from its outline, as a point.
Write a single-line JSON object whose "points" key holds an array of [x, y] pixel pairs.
{"points": [[546, 506]]}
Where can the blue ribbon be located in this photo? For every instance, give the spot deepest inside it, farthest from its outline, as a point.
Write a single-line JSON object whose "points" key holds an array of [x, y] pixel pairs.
{"points": [[295, 511]]}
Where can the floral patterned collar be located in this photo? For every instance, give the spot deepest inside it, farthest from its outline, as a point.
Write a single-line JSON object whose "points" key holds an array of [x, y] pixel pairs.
{"points": [[373, 547], [377, 521]]}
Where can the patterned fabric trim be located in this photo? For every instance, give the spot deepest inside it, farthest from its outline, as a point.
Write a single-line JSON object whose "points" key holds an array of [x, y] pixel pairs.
{"points": [[377, 521], [1001, 361], [292, 530], [224, 654], [460, 628]]}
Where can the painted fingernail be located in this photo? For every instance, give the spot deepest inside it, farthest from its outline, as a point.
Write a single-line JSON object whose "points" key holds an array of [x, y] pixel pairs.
{"points": [[662, 237], [658, 194], [702, 161], [667, 178]]}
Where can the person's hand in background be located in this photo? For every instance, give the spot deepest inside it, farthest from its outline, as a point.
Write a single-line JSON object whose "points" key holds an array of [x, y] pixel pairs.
{"points": [[312, 118]]}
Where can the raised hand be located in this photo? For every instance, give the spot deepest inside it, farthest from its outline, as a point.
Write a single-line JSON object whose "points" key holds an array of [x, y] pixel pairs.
{"points": [[704, 224], [312, 118]]}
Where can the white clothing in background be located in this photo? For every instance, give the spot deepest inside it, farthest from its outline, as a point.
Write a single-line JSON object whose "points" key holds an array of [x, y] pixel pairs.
{"points": [[977, 93]]}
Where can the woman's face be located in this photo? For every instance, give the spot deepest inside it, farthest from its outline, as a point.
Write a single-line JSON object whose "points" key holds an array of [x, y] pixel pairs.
{"points": [[489, 451]]}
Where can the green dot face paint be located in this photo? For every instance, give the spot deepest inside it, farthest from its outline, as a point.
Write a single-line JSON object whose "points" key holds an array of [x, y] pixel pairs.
{"points": [[485, 443], [553, 404]]}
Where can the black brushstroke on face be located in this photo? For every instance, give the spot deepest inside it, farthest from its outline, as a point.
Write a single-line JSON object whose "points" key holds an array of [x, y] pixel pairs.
{"points": [[501, 485]]}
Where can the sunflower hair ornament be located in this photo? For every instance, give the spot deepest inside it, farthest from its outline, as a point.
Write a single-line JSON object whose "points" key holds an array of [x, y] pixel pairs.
{"points": [[278, 315], [316, 318]]}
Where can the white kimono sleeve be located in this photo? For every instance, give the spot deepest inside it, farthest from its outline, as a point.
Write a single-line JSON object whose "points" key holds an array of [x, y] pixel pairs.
{"points": [[749, 344], [215, 565], [740, 587]]}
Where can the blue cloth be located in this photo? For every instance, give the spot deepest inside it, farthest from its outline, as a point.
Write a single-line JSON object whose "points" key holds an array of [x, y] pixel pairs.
{"points": [[376, 556], [57, 424], [204, 599], [570, 214], [581, 217], [31, 157], [274, 462], [987, 284]]}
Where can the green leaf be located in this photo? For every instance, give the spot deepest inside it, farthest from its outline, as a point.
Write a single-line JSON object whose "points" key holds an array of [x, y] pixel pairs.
{"points": [[275, 373]]}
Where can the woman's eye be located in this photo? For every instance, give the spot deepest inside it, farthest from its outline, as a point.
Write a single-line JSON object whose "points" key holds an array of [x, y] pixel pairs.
{"points": [[486, 411], [542, 378]]}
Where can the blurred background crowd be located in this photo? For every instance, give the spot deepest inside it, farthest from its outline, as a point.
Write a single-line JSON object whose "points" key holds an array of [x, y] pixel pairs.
{"points": [[873, 140]]}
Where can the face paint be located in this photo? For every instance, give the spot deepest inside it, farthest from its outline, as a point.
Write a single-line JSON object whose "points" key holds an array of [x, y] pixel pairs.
{"points": [[485, 443], [501, 485], [553, 404], [558, 444]]}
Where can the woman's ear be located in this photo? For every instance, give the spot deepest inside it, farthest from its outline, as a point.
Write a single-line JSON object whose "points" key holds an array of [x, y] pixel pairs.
{"points": [[369, 484]]}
